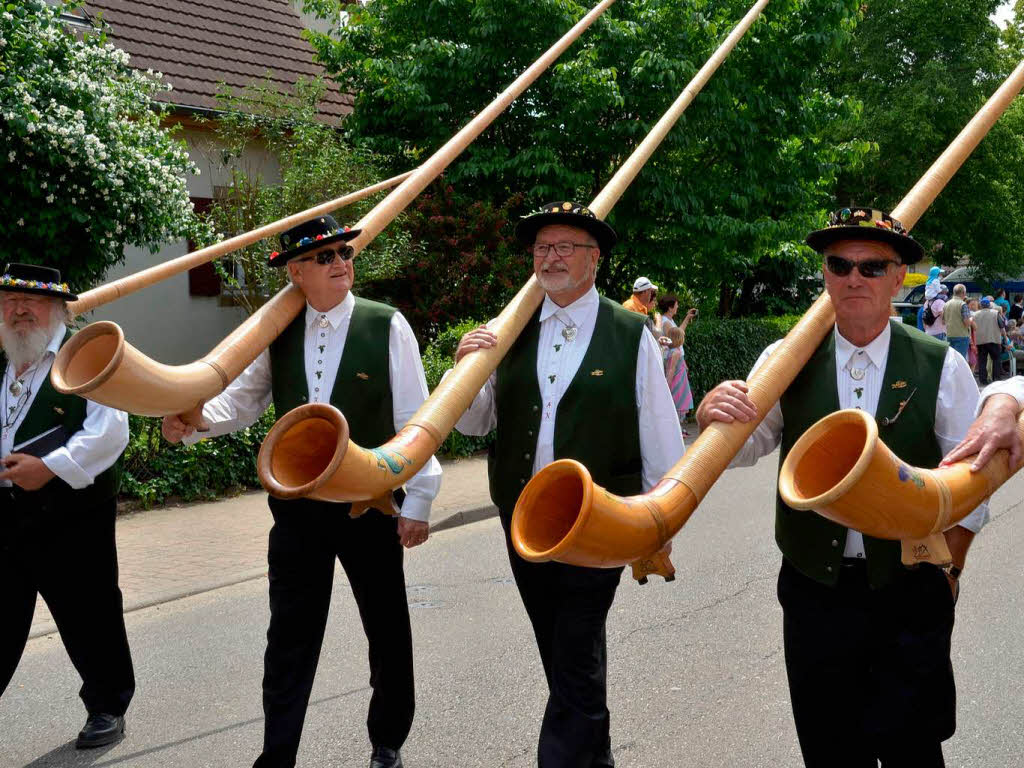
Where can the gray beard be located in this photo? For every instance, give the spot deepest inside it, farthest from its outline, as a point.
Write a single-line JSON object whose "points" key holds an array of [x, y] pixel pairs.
{"points": [[24, 348]]}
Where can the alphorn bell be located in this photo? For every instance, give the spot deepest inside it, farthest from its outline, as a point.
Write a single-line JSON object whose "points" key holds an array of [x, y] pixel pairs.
{"points": [[562, 516], [842, 470], [98, 364], [367, 476]]}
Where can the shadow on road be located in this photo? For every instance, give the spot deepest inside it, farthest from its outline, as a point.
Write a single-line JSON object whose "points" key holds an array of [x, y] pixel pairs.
{"points": [[66, 756]]}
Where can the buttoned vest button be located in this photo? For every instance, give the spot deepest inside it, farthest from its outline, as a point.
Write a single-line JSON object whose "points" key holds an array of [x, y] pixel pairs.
{"points": [[828, 568], [526, 456], [536, 408], [835, 542], [522, 481]]}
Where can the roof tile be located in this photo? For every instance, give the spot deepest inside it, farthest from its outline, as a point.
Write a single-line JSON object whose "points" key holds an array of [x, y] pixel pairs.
{"points": [[203, 45]]}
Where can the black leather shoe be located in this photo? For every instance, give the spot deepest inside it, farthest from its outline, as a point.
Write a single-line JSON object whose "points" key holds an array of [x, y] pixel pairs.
{"points": [[100, 729], [383, 757]]}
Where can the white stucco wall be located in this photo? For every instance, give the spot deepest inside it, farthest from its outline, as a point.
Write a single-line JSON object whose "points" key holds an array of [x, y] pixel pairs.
{"points": [[164, 321]]}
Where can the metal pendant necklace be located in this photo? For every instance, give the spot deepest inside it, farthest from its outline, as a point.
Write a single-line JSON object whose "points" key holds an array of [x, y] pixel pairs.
{"points": [[22, 391], [17, 385], [569, 330]]}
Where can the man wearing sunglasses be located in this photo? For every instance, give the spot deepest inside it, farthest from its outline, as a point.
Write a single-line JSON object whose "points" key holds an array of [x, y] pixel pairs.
{"points": [[361, 357], [867, 640], [583, 381]]}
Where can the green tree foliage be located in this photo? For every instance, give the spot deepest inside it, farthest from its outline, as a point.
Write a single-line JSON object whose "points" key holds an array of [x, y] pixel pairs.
{"points": [[922, 69], [315, 164], [85, 167], [745, 170], [468, 261]]}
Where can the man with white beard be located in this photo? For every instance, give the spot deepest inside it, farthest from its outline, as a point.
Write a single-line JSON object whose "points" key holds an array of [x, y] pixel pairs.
{"points": [[60, 457]]}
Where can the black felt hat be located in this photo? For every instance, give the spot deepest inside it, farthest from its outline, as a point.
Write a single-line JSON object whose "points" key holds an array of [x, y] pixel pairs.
{"points": [[857, 223], [31, 278], [570, 213], [323, 230]]}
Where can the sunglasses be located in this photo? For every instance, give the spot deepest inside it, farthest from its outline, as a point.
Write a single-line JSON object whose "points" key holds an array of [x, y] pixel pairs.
{"points": [[841, 267], [326, 256]]}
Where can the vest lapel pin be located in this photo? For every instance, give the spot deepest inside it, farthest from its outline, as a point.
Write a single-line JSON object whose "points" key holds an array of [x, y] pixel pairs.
{"points": [[363, 376], [890, 420], [899, 384], [597, 372], [58, 410]]}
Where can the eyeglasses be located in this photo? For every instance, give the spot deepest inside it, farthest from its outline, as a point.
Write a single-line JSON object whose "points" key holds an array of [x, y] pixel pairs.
{"points": [[326, 256], [563, 249], [841, 267]]}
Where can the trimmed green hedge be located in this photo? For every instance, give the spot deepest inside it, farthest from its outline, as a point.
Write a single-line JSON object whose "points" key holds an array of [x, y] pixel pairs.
{"points": [[155, 470], [717, 349]]}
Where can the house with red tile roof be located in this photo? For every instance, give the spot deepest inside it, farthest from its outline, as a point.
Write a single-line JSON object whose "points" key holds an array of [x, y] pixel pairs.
{"points": [[202, 47]]}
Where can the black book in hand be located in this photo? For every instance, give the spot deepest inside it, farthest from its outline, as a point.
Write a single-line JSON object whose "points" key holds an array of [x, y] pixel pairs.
{"points": [[44, 444]]}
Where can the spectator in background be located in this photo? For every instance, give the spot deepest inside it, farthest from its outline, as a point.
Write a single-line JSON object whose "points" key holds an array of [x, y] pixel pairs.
{"points": [[957, 318], [1017, 310], [672, 337], [989, 338], [644, 293], [1002, 302], [933, 309]]}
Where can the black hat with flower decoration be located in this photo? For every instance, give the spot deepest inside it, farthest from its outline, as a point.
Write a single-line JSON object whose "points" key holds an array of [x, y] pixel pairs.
{"points": [[571, 214], [31, 278], [312, 234], [856, 223]]}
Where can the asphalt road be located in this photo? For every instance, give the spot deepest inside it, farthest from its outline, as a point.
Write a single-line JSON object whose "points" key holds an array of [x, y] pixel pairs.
{"points": [[696, 667]]}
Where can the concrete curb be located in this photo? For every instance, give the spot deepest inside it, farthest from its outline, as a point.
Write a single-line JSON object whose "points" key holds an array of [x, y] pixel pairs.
{"points": [[453, 520]]}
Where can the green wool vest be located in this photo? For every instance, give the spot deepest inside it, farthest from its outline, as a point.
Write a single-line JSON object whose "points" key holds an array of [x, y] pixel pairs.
{"points": [[596, 422], [52, 409], [813, 544], [362, 387]]}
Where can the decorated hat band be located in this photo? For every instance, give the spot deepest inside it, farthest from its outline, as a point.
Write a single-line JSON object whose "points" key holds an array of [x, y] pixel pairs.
{"points": [[13, 282], [570, 213], [304, 241], [865, 217]]}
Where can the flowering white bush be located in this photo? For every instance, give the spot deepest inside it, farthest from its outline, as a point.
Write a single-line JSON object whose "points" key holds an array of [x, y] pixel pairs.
{"points": [[85, 167]]}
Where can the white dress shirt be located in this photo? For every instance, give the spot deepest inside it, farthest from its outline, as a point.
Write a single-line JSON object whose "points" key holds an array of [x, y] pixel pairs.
{"points": [[954, 409], [1013, 386], [89, 451], [558, 360], [248, 396]]}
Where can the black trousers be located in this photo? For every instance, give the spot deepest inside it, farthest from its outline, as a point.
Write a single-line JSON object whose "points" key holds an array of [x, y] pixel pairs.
{"points": [[986, 351], [869, 671], [306, 538], [568, 607], [68, 556]]}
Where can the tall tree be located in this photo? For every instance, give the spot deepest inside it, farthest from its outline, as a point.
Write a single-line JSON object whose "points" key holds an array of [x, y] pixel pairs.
{"points": [[743, 173], [922, 69]]}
